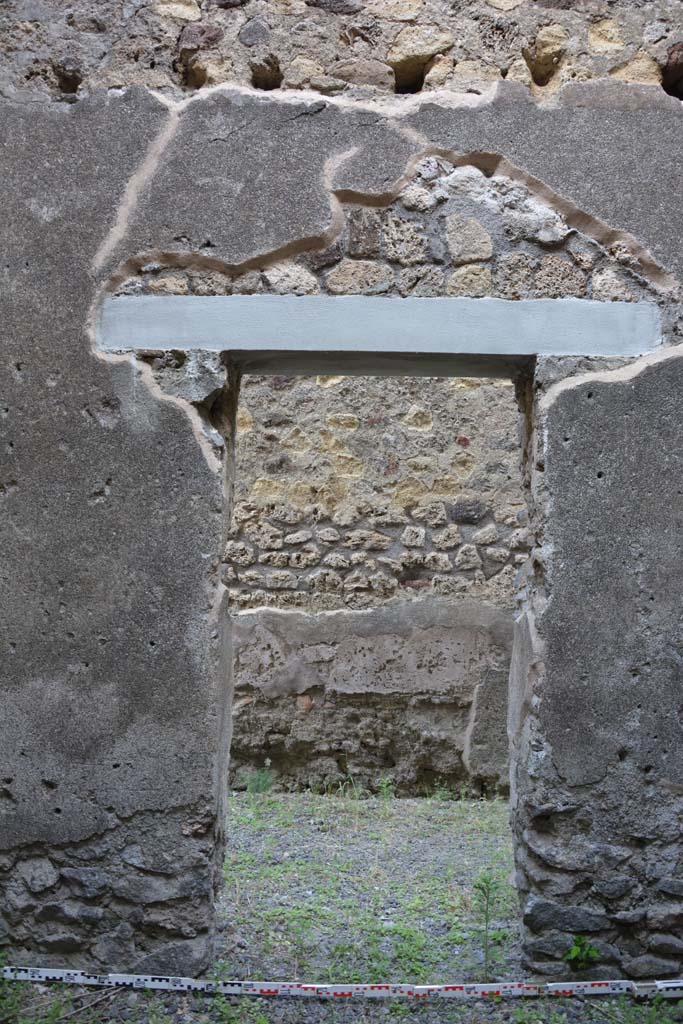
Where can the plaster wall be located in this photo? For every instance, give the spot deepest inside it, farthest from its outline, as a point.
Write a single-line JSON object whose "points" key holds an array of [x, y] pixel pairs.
{"points": [[414, 693], [115, 659], [595, 688], [115, 735]]}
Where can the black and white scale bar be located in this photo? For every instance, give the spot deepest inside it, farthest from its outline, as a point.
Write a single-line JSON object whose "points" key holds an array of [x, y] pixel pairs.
{"points": [[497, 990]]}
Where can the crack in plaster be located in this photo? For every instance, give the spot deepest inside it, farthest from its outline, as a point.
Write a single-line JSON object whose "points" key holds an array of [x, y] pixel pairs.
{"points": [[140, 178], [386, 107], [186, 260], [144, 371], [469, 729], [405, 104]]}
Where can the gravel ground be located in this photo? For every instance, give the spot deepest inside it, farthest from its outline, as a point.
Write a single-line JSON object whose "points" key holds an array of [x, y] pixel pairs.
{"points": [[350, 888], [341, 889]]}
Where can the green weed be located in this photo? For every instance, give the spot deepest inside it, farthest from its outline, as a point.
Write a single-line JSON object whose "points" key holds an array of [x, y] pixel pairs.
{"points": [[261, 780], [487, 892], [659, 1011], [349, 789], [20, 1004], [385, 788], [242, 1012], [442, 791], [581, 954]]}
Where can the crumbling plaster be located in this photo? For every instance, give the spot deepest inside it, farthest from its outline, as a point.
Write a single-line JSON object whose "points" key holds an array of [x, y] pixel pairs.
{"points": [[414, 692], [124, 547], [364, 499]]}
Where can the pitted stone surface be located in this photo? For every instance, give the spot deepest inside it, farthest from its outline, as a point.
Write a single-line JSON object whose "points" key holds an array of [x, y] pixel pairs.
{"points": [[330, 45], [600, 750], [107, 560]]}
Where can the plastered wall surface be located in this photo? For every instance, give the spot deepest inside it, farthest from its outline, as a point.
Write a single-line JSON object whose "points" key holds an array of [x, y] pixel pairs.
{"points": [[608, 865], [357, 493], [99, 836], [115, 497]]}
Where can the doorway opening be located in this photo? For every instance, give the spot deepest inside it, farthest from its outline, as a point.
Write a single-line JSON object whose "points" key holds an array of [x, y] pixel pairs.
{"points": [[379, 527], [465, 271]]}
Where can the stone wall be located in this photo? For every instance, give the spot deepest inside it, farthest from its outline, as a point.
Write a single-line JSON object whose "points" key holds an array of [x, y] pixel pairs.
{"points": [[115, 687], [414, 693], [355, 493], [334, 47], [350, 492]]}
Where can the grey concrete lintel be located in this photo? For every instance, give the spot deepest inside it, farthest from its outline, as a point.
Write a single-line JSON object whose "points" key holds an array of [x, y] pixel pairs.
{"points": [[379, 334]]}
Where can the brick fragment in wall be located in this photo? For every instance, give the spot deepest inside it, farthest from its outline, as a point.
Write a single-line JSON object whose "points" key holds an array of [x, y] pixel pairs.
{"points": [[468, 240]]}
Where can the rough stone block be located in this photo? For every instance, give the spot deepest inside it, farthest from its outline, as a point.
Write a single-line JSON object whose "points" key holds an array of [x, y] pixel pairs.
{"points": [[468, 240], [541, 915]]}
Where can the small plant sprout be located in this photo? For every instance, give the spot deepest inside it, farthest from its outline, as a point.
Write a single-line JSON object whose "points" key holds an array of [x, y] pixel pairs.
{"points": [[442, 791], [385, 787], [261, 780], [487, 890], [349, 789], [581, 954]]}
